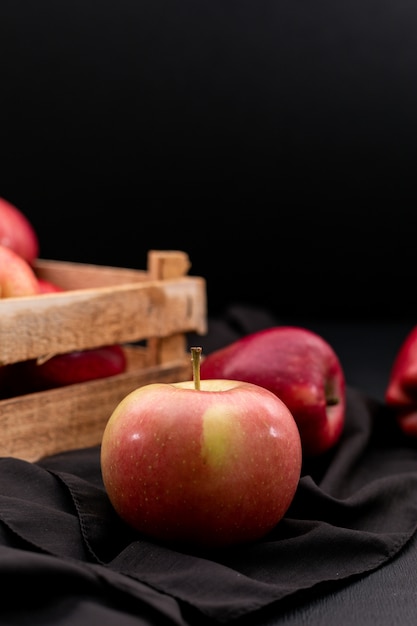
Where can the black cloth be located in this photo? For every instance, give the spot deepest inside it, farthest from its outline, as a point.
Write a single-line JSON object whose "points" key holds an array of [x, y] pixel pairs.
{"points": [[73, 559]]}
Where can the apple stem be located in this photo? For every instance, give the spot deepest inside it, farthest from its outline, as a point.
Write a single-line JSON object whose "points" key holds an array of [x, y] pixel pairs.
{"points": [[195, 359]]}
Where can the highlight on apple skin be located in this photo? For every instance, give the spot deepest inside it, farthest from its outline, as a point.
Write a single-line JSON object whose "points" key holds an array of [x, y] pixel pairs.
{"points": [[206, 468], [298, 366]]}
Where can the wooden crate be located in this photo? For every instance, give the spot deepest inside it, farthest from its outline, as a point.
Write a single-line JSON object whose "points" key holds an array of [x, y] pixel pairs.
{"points": [[149, 311]]}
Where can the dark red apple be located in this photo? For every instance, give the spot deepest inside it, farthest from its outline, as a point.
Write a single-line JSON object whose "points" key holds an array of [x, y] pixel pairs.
{"points": [[72, 367], [301, 368], [401, 390]]}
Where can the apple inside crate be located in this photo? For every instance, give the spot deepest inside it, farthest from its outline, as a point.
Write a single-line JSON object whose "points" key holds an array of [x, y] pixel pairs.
{"points": [[149, 312]]}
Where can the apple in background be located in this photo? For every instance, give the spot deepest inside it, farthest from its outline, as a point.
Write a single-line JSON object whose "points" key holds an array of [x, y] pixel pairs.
{"points": [[17, 233], [201, 466], [17, 277], [297, 365], [401, 390], [72, 367]]}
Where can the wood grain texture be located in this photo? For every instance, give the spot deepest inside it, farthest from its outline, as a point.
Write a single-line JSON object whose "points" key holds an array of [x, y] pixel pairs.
{"points": [[90, 317], [148, 312], [39, 424]]}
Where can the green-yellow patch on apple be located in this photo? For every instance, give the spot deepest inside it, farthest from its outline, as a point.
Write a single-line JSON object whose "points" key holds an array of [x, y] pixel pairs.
{"points": [[220, 434]]}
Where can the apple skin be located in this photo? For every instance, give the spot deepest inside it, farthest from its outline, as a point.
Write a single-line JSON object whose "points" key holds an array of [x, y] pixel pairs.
{"points": [[78, 366], [206, 468], [401, 390], [17, 232], [301, 368], [17, 277]]}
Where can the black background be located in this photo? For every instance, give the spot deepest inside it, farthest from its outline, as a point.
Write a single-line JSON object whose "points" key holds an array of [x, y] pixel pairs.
{"points": [[275, 142]]}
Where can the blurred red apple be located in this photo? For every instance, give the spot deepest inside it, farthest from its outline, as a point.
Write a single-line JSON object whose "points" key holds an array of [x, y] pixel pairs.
{"points": [[206, 467], [17, 277], [17, 232], [301, 368], [401, 390], [72, 367]]}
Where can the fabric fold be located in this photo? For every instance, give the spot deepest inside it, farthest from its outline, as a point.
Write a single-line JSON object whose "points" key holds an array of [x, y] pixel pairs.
{"points": [[354, 510]]}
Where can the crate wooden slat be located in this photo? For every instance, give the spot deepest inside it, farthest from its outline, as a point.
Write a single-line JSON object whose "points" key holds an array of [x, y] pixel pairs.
{"points": [[55, 323], [48, 422], [148, 311], [84, 275]]}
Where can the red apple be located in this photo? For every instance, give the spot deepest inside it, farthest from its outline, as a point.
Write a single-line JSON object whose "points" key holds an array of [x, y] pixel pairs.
{"points": [[17, 277], [17, 232], [401, 390], [202, 467], [72, 367], [297, 365]]}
